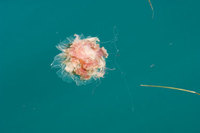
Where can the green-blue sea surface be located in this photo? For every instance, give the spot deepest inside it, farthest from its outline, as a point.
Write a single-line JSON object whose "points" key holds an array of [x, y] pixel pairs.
{"points": [[163, 50]]}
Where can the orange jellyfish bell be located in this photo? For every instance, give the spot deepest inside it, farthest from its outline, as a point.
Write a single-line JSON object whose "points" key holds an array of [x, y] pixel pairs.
{"points": [[81, 59]]}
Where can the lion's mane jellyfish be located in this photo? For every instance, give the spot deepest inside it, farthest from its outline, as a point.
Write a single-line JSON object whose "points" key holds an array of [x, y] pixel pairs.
{"points": [[81, 59]]}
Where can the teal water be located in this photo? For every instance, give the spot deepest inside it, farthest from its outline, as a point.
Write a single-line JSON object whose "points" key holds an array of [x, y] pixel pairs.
{"points": [[160, 51]]}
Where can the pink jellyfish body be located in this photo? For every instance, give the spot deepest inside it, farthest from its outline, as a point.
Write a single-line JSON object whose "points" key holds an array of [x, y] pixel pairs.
{"points": [[81, 59]]}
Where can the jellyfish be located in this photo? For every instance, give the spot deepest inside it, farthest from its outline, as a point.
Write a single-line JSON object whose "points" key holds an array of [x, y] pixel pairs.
{"points": [[81, 59]]}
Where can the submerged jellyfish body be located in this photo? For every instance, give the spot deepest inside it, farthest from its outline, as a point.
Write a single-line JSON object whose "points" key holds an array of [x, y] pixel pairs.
{"points": [[81, 59]]}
